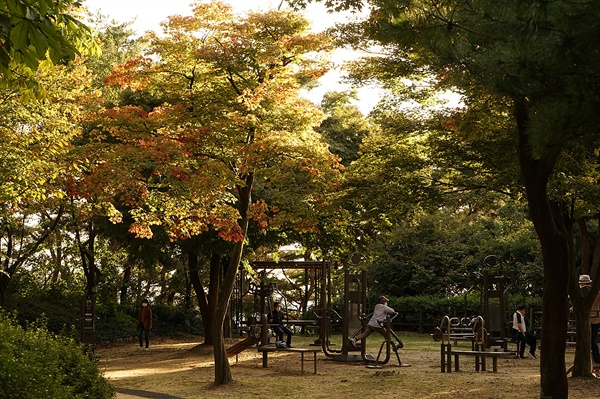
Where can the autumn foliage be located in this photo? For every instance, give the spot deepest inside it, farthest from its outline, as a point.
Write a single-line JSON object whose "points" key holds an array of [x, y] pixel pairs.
{"points": [[225, 104]]}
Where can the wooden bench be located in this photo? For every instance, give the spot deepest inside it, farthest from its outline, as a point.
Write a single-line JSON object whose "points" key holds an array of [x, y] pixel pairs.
{"points": [[266, 349], [480, 359]]}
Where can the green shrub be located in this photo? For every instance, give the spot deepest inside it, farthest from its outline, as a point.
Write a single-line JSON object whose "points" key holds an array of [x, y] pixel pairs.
{"points": [[114, 322], [427, 311], [37, 364], [117, 322]]}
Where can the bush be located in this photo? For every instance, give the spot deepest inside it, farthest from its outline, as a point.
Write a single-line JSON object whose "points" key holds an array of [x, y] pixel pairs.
{"points": [[173, 319], [114, 322], [56, 304], [428, 310], [37, 364], [119, 321]]}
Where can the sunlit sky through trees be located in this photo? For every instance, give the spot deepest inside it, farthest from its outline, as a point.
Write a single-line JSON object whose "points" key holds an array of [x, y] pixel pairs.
{"points": [[149, 13]]}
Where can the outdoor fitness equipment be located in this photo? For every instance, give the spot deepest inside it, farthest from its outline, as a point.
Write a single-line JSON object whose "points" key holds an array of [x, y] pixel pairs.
{"points": [[354, 304], [493, 288], [450, 330], [354, 310], [262, 293], [392, 342]]}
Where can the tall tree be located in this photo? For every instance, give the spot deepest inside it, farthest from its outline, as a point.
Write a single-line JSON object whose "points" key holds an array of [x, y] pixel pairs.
{"points": [[35, 137], [540, 57], [229, 115]]}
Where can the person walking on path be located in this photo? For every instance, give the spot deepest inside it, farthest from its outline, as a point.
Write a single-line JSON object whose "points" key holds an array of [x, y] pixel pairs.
{"points": [[520, 333], [144, 323]]}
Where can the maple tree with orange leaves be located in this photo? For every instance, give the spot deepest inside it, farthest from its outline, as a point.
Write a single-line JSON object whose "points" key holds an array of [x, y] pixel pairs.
{"points": [[227, 116]]}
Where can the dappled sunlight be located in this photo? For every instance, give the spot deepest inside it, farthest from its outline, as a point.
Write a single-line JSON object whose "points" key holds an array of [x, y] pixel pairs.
{"points": [[186, 371]]}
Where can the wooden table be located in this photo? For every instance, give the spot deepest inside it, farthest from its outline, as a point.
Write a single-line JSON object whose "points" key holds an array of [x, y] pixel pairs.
{"points": [[265, 349]]}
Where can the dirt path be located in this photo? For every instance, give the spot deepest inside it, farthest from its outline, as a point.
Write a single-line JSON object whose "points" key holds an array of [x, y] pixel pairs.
{"points": [[181, 369]]}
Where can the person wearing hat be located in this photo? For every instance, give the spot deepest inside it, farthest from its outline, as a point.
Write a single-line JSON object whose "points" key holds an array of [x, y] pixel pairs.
{"points": [[380, 313], [585, 283], [144, 323], [520, 333]]}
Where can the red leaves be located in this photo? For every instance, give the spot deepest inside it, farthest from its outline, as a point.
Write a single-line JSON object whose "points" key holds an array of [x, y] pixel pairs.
{"points": [[126, 113], [259, 213], [179, 174], [129, 74]]}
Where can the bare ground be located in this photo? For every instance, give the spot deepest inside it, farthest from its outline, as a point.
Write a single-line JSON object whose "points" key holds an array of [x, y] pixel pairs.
{"points": [[183, 369]]}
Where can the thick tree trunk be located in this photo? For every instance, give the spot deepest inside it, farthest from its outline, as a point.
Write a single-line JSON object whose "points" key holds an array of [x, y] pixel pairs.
{"points": [[582, 362], [582, 300], [555, 250], [4, 281], [222, 368], [206, 302], [123, 295], [585, 246]]}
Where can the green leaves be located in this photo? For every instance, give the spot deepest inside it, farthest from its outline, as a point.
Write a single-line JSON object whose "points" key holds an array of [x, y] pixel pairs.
{"points": [[224, 106], [32, 31]]}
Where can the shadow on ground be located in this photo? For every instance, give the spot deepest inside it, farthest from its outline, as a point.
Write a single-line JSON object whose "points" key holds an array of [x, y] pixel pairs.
{"points": [[145, 394]]}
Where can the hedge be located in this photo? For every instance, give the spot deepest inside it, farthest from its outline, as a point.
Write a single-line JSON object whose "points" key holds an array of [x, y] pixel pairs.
{"points": [[34, 364]]}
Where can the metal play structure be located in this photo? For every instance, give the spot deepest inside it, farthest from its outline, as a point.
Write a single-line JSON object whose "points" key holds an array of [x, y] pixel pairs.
{"points": [[354, 311], [493, 287]]}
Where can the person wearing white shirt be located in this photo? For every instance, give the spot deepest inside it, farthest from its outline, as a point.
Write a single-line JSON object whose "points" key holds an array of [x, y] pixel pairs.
{"points": [[520, 334], [380, 313]]}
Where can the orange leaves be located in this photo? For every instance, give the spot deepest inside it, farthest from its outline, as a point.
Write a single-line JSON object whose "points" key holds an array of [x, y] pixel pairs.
{"points": [[226, 105], [126, 113], [259, 213], [129, 75]]}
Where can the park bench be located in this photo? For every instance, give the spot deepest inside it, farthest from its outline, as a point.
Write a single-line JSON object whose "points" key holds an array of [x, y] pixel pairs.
{"points": [[266, 349], [447, 332], [480, 359]]}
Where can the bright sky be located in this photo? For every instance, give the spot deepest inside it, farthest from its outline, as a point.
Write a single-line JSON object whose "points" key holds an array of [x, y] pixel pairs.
{"points": [[149, 13]]}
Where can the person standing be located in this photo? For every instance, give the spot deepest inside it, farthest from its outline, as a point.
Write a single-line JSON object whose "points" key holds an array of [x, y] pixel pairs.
{"points": [[376, 323], [276, 316], [520, 333], [144, 323]]}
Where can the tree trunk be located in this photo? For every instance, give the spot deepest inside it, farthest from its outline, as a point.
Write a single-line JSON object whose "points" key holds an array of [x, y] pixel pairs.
{"points": [[213, 290], [4, 281], [222, 368], [555, 251], [87, 251], [585, 246], [582, 362], [125, 284], [206, 302], [582, 300]]}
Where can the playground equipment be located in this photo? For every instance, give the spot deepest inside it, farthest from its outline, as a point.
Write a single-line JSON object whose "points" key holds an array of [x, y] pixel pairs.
{"points": [[263, 294], [465, 329], [391, 343], [452, 329], [354, 304], [493, 288], [354, 310]]}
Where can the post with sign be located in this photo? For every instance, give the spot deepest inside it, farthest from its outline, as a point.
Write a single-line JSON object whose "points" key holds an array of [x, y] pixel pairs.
{"points": [[88, 319]]}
